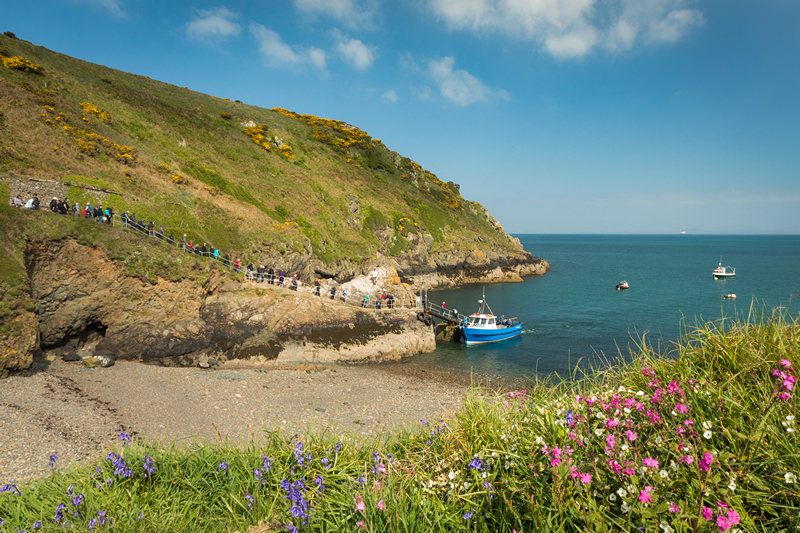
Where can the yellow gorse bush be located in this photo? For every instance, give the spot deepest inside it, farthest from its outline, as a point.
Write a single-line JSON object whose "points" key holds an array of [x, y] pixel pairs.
{"points": [[20, 63], [92, 109]]}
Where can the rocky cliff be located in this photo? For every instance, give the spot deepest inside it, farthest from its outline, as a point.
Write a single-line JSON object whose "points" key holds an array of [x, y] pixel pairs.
{"points": [[85, 307]]}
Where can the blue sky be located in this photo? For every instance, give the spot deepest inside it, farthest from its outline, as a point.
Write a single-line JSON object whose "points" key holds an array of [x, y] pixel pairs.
{"points": [[560, 116]]}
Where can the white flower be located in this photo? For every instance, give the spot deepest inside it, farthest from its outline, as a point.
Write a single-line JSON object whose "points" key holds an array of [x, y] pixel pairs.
{"points": [[674, 466], [666, 527], [640, 393], [707, 425], [598, 431], [625, 507], [789, 430], [664, 474], [451, 475], [622, 492], [790, 419], [612, 497], [600, 415], [621, 389], [790, 477], [707, 434], [624, 447], [659, 440], [732, 484], [627, 410]]}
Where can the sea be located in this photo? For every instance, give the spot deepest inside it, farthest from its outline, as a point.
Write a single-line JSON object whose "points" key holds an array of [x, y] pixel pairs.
{"points": [[573, 316]]}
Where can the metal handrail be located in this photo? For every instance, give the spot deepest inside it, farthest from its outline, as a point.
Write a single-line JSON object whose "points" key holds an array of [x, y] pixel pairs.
{"points": [[352, 297]]}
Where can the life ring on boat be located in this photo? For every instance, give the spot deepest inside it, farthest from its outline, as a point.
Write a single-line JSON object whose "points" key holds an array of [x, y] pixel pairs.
{"points": [[428, 320]]}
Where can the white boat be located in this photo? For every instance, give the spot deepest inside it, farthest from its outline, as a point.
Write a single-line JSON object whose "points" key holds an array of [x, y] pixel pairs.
{"points": [[622, 285], [722, 272]]}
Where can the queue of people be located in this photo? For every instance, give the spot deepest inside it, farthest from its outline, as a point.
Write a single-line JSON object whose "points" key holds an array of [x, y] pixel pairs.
{"points": [[259, 274]]}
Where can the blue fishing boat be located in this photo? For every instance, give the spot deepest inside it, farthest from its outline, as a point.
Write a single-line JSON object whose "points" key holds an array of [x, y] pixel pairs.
{"points": [[484, 326]]}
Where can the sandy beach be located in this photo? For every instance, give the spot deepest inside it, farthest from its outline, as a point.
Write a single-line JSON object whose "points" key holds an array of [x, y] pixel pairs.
{"points": [[77, 413]]}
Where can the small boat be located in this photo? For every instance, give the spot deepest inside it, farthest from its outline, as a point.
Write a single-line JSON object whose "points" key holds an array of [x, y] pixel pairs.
{"points": [[484, 326], [622, 285], [730, 296], [722, 272]]}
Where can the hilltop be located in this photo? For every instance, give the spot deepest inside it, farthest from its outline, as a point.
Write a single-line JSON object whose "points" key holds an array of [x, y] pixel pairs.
{"points": [[315, 195]]}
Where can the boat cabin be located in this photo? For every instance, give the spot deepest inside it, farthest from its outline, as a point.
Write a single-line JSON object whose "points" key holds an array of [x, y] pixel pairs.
{"points": [[485, 321]]}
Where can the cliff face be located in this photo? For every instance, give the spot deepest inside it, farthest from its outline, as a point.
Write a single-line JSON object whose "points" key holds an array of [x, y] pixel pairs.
{"points": [[86, 307]]}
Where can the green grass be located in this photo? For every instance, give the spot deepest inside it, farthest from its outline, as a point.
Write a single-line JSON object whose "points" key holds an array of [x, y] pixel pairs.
{"points": [[202, 137], [536, 460]]}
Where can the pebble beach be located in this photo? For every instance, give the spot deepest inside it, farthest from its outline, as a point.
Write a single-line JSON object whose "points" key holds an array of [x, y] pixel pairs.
{"points": [[77, 413]]}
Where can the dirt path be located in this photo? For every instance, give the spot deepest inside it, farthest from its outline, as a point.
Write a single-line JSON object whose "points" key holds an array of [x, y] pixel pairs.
{"points": [[77, 413]]}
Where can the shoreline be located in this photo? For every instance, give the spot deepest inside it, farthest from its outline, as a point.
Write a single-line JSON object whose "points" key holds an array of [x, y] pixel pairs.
{"points": [[77, 413]]}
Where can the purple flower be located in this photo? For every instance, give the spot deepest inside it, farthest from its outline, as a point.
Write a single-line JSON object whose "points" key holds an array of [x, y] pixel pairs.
{"points": [[477, 464], [53, 459], [125, 438], [10, 487], [36, 525], [223, 466], [59, 513], [468, 515], [319, 483], [570, 417], [149, 467], [249, 498]]}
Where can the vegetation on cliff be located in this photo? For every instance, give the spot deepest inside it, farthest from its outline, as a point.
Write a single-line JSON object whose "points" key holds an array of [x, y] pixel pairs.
{"points": [[704, 440], [244, 178]]}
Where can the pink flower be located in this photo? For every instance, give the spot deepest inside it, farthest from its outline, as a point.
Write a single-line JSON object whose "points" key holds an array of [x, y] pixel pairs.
{"points": [[648, 372], [631, 435], [785, 396], [707, 513], [586, 478], [681, 408], [733, 517], [673, 508], [706, 462], [360, 524], [611, 441], [645, 496], [723, 523], [360, 506], [674, 387], [629, 471], [381, 505], [688, 459], [649, 461], [785, 363]]}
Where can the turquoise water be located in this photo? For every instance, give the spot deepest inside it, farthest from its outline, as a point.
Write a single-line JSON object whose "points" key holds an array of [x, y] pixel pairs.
{"points": [[574, 311]]}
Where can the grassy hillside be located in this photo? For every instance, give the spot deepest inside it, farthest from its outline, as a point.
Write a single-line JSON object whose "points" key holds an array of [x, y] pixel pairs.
{"points": [[241, 177]]}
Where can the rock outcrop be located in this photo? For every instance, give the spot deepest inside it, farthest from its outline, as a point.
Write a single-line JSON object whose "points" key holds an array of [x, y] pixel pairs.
{"points": [[85, 307]]}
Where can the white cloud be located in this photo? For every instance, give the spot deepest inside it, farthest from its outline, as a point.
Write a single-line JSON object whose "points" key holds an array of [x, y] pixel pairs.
{"points": [[459, 86], [114, 7], [351, 13], [390, 96], [219, 22], [278, 54], [356, 53], [573, 28]]}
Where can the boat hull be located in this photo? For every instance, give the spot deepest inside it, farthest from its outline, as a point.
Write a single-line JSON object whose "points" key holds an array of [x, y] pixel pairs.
{"points": [[485, 335]]}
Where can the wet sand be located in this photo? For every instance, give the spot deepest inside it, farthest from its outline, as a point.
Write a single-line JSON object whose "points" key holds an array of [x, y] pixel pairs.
{"points": [[77, 413]]}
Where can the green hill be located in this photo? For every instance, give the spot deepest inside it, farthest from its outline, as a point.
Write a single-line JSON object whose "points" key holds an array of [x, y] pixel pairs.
{"points": [[265, 184]]}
